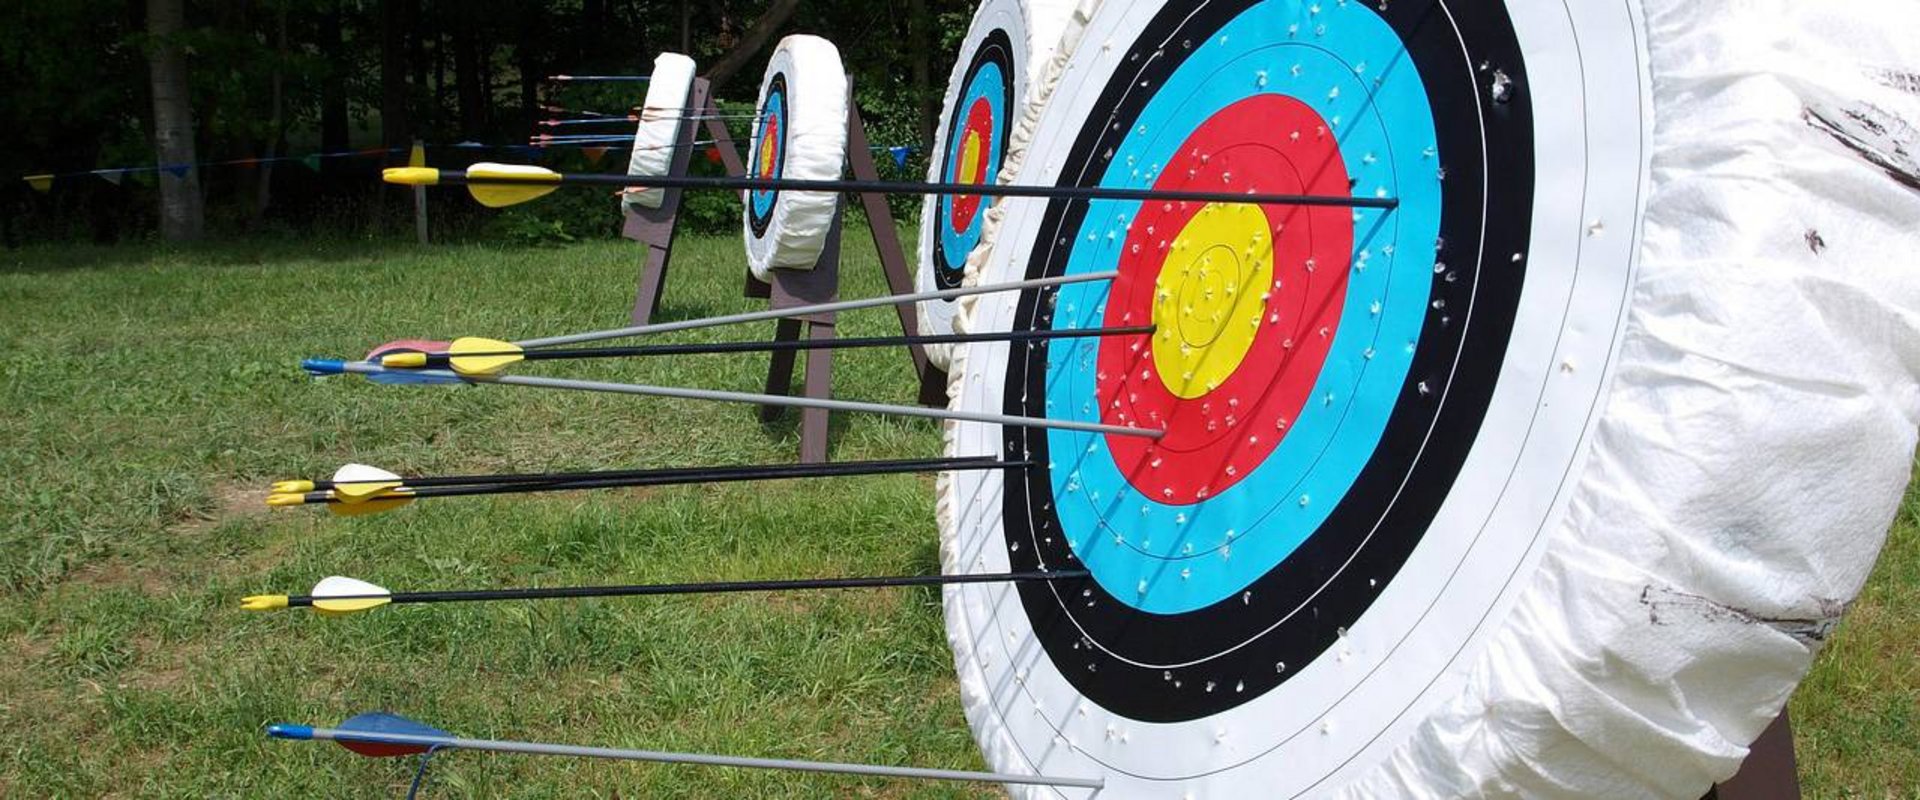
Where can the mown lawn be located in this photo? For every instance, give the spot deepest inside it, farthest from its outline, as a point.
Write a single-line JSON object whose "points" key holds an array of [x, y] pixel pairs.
{"points": [[151, 395]]}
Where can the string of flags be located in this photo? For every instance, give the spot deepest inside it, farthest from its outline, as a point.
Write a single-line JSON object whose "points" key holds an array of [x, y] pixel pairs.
{"points": [[595, 149]]}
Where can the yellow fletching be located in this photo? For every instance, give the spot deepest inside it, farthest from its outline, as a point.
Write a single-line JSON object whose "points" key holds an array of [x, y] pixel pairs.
{"points": [[529, 183], [264, 602], [338, 607], [473, 355], [282, 500], [283, 487], [501, 195], [365, 507], [411, 176], [404, 360]]}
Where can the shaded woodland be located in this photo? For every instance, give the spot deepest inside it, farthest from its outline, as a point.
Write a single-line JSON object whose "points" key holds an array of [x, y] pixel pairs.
{"points": [[253, 91]]}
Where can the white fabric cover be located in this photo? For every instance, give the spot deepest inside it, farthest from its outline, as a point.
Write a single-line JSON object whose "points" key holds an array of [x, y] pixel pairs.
{"points": [[661, 115], [816, 149], [1758, 436], [1035, 28], [1751, 450]]}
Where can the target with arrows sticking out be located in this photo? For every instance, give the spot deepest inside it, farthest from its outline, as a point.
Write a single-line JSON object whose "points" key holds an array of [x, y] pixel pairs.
{"points": [[992, 86], [1348, 395], [661, 115], [799, 133]]}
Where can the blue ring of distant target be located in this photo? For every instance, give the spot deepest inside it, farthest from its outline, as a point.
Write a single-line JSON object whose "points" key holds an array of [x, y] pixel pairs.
{"points": [[773, 112], [990, 78]]}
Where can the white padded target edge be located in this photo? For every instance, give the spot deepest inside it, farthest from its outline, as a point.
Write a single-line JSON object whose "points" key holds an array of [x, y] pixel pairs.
{"points": [[815, 142], [1035, 27], [1570, 617], [661, 115]]}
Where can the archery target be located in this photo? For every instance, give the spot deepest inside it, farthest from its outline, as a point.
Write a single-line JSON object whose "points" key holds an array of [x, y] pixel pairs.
{"points": [[989, 89], [1368, 414], [799, 133], [658, 134]]}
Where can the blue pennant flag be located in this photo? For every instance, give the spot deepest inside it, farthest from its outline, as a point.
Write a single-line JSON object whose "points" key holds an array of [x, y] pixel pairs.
{"points": [[900, 155]]}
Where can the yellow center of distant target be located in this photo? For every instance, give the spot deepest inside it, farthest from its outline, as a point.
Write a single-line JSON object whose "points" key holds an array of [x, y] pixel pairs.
{"points": [[1209, 297], [969, 157]]}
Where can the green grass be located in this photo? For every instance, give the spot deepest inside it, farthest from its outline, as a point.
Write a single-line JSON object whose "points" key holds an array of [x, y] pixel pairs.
{"points": [[152, 395]]}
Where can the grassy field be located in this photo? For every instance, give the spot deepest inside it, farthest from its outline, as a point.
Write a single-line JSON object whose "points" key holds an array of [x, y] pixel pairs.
{"points": [[152, 395]]}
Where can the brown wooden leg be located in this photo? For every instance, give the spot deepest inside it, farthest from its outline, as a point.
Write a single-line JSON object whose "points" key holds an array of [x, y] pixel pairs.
{"points": [[1770, 771], [780, 372], [819, 384]]}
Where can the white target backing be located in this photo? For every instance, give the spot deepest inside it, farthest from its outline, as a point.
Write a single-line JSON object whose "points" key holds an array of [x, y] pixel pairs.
{"points": [[1394, 531], [658, 134], [800, 133], [989, 92]]}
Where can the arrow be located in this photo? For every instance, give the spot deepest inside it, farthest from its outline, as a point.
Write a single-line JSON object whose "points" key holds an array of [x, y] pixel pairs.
{"points": [[336, 595], [599, 78], [319, 366], [473, 355], [501, 185], [358, 489], [379, 734]]}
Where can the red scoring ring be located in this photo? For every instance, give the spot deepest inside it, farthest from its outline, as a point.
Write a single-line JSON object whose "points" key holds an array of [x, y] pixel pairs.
{"points": [[1214, 440], [979, 123]]}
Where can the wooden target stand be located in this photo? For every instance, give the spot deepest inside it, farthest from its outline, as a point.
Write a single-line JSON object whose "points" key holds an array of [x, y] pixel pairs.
{"points": [[655, 227]]}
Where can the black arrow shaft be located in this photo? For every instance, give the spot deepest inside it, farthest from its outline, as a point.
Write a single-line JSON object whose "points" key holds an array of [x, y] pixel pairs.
{"points": [[712, 587], [458, 485], [899, 187]]}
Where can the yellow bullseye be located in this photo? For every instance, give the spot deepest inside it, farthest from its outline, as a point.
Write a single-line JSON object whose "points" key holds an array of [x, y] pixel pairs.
{"points": [[969, 157], [1210, 296]]}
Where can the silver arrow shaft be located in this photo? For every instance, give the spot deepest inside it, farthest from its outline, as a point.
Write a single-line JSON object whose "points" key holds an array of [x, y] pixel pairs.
{"points": [[704, 759], [716, 395]]}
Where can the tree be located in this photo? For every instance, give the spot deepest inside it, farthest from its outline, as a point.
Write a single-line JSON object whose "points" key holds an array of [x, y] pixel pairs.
{"points": [[181, 216]]}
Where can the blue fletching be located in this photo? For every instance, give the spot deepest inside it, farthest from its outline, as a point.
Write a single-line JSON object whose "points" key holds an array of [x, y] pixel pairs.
{"points": [[382, 722], [323, 366], [284, 730]]}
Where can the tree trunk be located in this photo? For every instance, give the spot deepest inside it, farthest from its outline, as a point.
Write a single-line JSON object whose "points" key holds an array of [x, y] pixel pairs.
{"points": [[751, 42], [686, 27], [334, 136], [527, 53], [469, 79], [920, 33], [395, 121], [182, 217], [276, 125]]}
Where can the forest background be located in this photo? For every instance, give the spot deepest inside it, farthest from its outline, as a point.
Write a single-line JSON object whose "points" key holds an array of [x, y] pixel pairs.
{"points": [[289, 108]]}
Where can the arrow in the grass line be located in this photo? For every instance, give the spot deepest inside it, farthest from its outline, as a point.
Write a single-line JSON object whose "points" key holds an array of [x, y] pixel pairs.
{"points": [[318, 366], [599, 78], [358, 489], [338, 595], [474, 355], [501, 185], [379, 734]]}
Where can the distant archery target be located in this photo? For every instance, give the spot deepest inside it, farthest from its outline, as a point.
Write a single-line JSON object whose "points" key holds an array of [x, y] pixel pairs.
{"points": [[662, 114], [1363, 423], [989, 88], [799, 133]]}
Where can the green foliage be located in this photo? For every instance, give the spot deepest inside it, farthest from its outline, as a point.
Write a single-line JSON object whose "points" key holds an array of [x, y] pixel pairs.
{"points": [[75, 89]]}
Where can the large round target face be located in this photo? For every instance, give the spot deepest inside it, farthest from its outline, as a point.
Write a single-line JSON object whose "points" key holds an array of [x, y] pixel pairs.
{"points": [[769, 153], [1352, 403], [979, 122]]}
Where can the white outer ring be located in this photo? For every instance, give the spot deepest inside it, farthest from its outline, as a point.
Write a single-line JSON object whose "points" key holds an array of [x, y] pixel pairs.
{"points": [[1034, 27], [661, 115], [816, 149]]}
